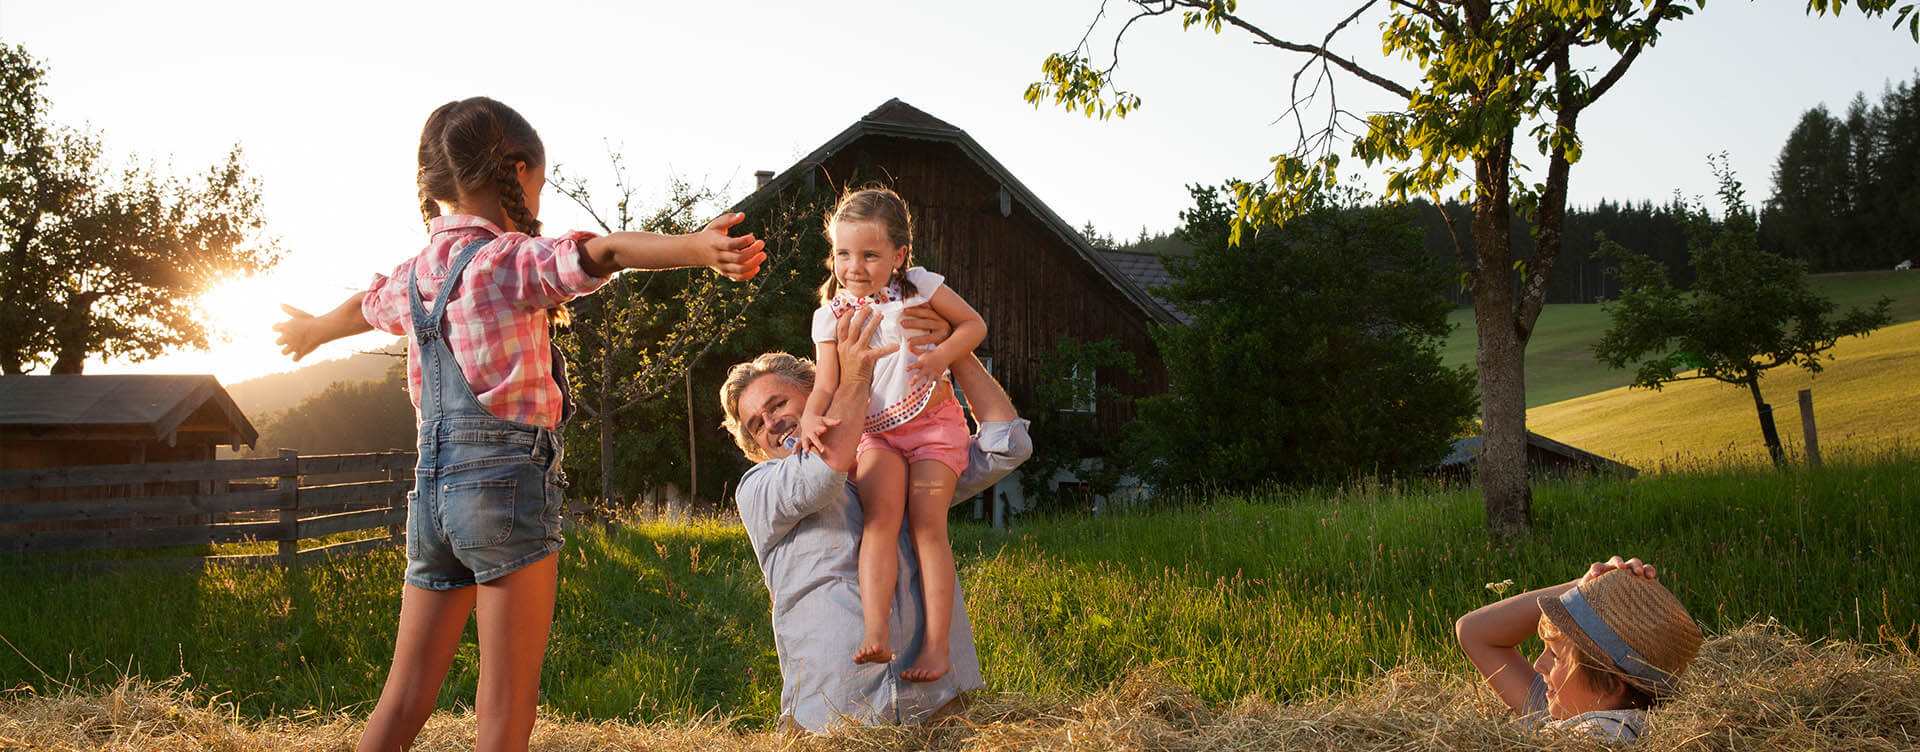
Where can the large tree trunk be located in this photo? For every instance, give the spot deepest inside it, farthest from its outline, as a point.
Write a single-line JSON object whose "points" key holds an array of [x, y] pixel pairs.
{"points": [[1502, 466], [70, 334]]}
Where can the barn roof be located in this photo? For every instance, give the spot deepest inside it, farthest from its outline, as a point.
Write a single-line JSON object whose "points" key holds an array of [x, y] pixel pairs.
{"points": [[899, 119], [143, 406], [1466, 452], [1147, 271]]}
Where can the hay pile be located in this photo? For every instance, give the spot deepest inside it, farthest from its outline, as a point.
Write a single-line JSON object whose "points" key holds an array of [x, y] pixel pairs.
{"points": [[1758, 688]]}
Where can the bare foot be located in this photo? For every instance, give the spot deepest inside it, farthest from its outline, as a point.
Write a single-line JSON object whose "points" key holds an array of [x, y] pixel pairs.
{"points": [[873, 651], [929, 668]]}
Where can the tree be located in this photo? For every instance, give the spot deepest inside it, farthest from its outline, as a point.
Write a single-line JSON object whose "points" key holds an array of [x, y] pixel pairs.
{"points": [[106, 263], [633, 347], [1749, 311], [1313, 354], [1488, 70], [347, 416]]}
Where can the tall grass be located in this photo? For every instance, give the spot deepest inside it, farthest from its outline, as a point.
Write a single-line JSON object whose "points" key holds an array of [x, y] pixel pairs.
{"points": [[1268, 595]]}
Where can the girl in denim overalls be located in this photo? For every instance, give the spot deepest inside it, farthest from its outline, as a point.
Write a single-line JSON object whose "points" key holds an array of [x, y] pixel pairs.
{"points": [[483, 520]]}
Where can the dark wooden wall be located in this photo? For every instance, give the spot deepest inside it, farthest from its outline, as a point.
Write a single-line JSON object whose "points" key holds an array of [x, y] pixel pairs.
{"points": [[1030, 286]]}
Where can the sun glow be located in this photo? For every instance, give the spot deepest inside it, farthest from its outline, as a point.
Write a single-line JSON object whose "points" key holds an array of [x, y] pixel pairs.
{"points": [[240, 315]]}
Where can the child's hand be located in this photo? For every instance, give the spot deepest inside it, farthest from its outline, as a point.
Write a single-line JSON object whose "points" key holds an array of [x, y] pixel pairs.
{"points": [[736, 258], [1634, 565], [929, 368], [299, 334], [813, 432]]}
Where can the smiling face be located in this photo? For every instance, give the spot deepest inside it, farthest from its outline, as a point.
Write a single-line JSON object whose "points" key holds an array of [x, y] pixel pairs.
{"points": [[1570, 691], [769, 410], [863, 258]]}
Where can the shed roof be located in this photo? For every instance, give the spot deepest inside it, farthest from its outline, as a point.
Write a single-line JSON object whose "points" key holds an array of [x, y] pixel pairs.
{"points": [[149, 405], [899, 119], [1466, 452]]}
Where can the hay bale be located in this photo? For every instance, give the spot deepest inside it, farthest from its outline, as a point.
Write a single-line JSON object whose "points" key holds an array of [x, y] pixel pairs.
{"points": [[1757, 688]]}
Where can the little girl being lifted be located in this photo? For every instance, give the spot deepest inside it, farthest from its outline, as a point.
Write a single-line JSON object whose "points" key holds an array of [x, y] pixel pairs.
{"points": [[915, 441]]}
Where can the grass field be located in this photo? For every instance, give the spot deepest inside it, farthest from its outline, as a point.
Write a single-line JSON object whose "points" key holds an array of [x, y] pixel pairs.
{"points": [[1276, 596], [1560, 364], [1867, 398]]}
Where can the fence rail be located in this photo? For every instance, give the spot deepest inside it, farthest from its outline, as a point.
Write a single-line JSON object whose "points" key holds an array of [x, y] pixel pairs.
{"points": [[224, 499]]}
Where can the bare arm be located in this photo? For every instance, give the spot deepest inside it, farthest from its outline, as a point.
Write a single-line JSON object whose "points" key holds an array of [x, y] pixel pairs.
{"points": [[968, 331], [736, 257], [1491, 635], [302, 331], [826, 379], [846, 415], [985, 396]]}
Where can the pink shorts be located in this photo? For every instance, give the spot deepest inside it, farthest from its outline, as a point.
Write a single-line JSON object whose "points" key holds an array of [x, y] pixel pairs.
{"points": [[938, 434]]}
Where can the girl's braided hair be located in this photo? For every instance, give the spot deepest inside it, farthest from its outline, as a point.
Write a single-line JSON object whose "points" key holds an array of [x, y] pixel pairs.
{"points": [[872, 204], [475, 144]]}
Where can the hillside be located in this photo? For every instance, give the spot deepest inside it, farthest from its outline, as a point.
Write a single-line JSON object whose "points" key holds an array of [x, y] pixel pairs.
{"points": [[1560, 364], [279, 391], [1868, 398]]}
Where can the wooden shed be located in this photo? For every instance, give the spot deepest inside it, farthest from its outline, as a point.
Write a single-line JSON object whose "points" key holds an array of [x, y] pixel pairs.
{"points": [[69, 420], [1545, 458], [1028, 272]]}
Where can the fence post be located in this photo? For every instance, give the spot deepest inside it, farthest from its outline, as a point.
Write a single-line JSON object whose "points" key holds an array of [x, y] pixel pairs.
{"points": [[1806, 424], [289, 488]]}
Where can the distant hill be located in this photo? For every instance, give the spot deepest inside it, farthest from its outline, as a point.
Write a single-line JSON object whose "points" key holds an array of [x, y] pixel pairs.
{"points": [[279, 391], [1866, 401], [1560, 364]]}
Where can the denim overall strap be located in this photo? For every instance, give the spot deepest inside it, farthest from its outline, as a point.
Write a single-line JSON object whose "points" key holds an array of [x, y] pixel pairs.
{"points": [[445, 392]]}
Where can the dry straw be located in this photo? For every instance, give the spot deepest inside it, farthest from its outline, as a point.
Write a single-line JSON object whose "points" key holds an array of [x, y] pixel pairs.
{"points": [[1758, 688]]}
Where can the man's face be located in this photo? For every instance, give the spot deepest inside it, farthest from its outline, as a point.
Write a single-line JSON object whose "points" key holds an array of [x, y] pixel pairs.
{"points": [[770, 409]]}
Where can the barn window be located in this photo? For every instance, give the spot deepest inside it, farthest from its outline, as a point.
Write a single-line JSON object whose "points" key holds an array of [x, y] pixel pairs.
{"points": [[1084, 386]]}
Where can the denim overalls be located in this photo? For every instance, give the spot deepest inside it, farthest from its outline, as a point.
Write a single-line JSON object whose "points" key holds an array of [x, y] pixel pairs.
{"points": [[487, 492]]}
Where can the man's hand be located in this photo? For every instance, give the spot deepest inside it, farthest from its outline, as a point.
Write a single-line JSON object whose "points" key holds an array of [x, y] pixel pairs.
{"points": [[852, 333], [932, 330], [1634, 565]]}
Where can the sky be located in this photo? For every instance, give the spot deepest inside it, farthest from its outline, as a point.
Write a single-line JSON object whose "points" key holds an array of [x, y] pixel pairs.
{"points": [[327, 99]]}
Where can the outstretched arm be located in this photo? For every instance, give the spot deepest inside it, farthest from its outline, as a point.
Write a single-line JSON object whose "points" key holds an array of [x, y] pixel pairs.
{"points": [[736, 257], [302, 331]]}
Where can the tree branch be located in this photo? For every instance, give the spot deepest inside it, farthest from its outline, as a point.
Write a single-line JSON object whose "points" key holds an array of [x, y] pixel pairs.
{"points": [[1319, 51], [1620, 66]]}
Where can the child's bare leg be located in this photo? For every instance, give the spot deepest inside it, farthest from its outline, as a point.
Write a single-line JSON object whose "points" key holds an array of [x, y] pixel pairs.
{"points": [[881, 477], [515, 614], [430, 625], [929, 495]]}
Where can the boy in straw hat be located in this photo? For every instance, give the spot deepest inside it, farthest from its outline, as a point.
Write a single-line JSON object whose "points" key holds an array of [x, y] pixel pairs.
{"points": [[1616, 643]]}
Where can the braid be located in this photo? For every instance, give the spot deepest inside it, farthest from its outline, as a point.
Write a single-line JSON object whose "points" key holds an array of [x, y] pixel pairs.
{"points": [[429, 208], [513, 200]]}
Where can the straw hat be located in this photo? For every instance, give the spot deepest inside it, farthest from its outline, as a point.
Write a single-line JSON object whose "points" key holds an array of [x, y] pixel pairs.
{"points": [[1653, 637]]}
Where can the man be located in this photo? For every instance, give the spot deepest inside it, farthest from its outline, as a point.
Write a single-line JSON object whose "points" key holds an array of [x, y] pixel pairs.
{"points": [[803, 517]]}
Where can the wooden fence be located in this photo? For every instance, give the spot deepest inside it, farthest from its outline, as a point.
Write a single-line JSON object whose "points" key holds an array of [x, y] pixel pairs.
{"points": [[95, 507]]}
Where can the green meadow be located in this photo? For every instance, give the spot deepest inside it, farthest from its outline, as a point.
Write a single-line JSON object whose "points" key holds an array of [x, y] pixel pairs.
{"points": [[1271, 595], [1560, 362]]}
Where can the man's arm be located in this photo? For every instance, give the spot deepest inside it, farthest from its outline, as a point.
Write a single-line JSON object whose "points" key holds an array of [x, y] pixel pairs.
{"points": [[1002, 443]]}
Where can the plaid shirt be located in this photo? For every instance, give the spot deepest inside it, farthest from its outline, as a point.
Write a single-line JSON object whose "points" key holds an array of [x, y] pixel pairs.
{"points": [[496, 323]]}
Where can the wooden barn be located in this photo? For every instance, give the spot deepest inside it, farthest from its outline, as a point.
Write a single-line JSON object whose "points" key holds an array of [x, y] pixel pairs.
{"points": [[1028, 272], [69, 420]]}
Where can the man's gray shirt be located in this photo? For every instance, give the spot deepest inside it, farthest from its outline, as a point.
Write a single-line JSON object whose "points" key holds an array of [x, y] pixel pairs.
{"points": [[804, 520]]}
